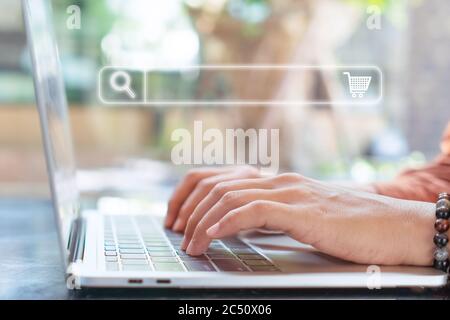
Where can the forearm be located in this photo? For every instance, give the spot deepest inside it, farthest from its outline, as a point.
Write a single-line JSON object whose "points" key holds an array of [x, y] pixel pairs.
{"points": [[370, 188], [374, 229], [422, 184]]}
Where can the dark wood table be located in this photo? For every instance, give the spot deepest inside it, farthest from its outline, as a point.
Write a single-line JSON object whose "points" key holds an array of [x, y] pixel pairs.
{"points": [[31, 267]]}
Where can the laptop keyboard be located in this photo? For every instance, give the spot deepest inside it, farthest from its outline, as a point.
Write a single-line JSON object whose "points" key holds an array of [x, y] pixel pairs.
{"points": [[139, 243]]}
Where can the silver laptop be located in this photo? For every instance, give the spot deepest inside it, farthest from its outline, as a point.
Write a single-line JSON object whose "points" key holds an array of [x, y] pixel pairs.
{"points": [[134, 250]]}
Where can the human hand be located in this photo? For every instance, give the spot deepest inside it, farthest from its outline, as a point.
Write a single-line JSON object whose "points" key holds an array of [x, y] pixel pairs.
{"points": [[346, 223], [195, 186]]}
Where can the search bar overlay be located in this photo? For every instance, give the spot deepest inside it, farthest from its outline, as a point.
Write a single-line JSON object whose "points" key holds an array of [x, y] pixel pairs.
{"points": [[250, 85]]}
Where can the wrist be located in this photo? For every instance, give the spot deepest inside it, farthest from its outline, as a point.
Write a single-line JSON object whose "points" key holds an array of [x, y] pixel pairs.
{"points": [[420, 246]]}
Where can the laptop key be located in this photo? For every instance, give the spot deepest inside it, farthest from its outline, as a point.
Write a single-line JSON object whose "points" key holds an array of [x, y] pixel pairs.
{"points": [[217, 251], [134, 243], [129, 234], [258, 263], [164, 259], [230, 265], [251, 257], [132, 251], [172, 234], [162, 266], [112, 266], [220, 256], [264, 269], [111, 259], [110, 253], [165, 248], [130, 246], [133, 256], [232, 240], [234, 243], [199, 266], [191, 258], [153, 238], [136, 267], [134, 261], [128, 239], [146, 235], [243, 251], [216, 245], [110, 248], [156, 244], [161, 253]]}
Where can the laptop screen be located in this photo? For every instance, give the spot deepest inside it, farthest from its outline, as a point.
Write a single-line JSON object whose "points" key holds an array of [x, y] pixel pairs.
{"points": [[53, 112]]}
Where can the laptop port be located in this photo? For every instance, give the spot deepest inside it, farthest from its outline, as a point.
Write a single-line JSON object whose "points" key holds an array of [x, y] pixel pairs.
{"points": [[135, 281], [163, 281]]}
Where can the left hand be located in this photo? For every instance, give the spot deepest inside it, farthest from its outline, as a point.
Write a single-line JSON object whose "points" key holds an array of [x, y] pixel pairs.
{"points": [[346, 223]]}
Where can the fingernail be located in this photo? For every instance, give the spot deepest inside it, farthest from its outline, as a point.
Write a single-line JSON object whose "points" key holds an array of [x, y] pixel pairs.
{"points": [[184, 244], [178, 225], [212, 231], [189, 249]]}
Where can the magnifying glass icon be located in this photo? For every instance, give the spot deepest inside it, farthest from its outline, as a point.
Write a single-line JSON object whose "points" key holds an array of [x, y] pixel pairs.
{"points": [[120, 81]]}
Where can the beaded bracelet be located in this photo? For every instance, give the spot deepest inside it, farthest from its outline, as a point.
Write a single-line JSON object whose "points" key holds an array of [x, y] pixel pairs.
{"points": [[440, 239]]}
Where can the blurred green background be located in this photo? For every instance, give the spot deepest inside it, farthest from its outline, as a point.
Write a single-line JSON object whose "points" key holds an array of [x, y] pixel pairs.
{"points": [[360, 143]]}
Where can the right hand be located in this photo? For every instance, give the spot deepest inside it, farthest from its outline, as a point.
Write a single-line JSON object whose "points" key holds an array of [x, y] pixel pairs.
{"points": [[195, 186]]}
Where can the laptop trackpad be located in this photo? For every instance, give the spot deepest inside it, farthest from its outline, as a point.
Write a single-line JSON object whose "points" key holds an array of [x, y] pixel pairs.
{"points": [[293, 256]]}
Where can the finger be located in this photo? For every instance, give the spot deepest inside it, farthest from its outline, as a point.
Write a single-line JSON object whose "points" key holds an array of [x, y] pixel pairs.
{"points": [[185, 187], [281, 181], [223, 197], [231, 201], [202, 189], [258, 214]]}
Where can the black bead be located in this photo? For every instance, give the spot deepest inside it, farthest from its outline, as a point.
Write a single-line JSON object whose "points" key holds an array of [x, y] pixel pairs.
{"points": [[441, 265], [444, 195], [442, 212], [443, 203], [440, 239], [441, 225]]}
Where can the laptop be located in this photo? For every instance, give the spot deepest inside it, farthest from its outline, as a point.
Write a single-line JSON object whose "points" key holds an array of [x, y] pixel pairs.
{"points": [[128, 249]]}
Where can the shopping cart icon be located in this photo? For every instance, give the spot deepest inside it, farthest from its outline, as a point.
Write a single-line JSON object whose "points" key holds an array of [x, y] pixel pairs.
{"points": [[358, 85]]}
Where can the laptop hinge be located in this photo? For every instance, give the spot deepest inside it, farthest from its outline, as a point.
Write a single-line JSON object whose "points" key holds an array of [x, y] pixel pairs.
{"points": [[77, 240]]}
